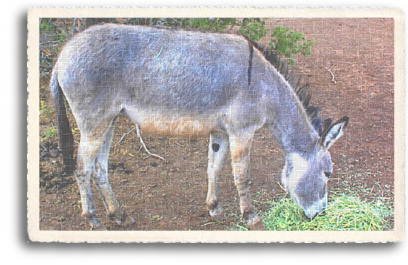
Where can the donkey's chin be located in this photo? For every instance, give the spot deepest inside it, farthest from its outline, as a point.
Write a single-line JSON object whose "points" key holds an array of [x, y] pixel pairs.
{"points": [[316, 208]]}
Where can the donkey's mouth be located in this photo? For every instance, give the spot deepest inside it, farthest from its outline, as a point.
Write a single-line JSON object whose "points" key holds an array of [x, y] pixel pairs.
{"points": [[316, 208], [315, 215]]}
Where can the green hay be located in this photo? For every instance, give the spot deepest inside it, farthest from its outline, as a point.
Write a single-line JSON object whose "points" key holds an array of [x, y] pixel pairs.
{"points": [[344, 213]]}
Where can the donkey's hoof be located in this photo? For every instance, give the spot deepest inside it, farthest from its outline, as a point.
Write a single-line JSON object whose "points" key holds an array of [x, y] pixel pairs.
{"points": [[96, 225], [122, 218], [218, 218], [93, 221], [255, 224], [119, 216], [129, 221], [217, 213]]}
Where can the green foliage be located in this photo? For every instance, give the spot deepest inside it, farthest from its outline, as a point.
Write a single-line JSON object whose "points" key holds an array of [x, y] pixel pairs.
{"points": [[253, 28], [49, 133], [289, 43], [211, 24], [45, 25], [345, 213]]}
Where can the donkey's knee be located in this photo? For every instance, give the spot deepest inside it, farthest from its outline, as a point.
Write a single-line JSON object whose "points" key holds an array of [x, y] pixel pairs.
{"points": [[83, 178]]}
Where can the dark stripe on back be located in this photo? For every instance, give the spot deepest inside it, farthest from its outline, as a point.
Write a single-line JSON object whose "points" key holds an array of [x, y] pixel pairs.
{"points": [[251, 55]]}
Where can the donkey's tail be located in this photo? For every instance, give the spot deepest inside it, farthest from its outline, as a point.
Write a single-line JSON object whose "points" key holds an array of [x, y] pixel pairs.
{"points": [[65, 134]]}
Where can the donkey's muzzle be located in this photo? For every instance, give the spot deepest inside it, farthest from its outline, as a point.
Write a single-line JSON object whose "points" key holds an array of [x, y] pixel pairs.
{"points": [[316, 208]]}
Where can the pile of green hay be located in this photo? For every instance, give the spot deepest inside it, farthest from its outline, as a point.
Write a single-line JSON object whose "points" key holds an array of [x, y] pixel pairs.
{"points": [[344, 213]]}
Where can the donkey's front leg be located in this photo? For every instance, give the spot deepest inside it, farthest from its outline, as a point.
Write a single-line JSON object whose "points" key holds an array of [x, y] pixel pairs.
{"points": [[240, 146], [217, 151]]}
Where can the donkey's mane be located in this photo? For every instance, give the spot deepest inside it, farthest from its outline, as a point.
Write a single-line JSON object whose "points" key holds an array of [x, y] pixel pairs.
{"points": [[301, 89]]}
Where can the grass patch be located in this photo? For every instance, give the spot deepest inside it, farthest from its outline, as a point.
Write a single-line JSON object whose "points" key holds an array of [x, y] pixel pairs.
{"points": [[49, 133], [344, 213]]}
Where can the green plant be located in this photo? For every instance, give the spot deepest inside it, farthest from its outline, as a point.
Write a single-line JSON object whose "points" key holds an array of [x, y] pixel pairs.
{"points": [[253, 28], [45, 25], [211, 24], [344, 213], [289, 43], [49, 133]]}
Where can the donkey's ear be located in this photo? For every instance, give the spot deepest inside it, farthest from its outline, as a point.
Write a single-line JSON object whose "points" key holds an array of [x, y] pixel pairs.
{"points": [[334, 132], [326, 124]]}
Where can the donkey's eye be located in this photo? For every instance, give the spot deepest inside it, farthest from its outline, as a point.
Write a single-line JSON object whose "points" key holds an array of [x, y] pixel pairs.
{"points": [[327, 174]]}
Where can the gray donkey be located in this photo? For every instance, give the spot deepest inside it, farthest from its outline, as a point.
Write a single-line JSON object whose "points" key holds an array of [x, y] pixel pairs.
{"points": [[184, 83]]}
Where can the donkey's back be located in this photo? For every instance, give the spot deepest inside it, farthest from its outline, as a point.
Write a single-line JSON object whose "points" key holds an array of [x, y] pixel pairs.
{"points": [[153, 67]]}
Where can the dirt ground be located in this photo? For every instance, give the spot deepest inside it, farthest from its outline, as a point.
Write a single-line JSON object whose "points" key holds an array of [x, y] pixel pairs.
{"points": [[171, 196]]}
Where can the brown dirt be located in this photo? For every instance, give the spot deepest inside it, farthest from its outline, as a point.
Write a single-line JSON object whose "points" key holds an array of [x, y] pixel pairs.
{"points": [[171, 196]]}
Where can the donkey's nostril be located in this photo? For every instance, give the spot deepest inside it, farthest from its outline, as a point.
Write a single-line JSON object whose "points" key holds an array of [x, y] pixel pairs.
{"points": [[310, 215], [327, 174]]}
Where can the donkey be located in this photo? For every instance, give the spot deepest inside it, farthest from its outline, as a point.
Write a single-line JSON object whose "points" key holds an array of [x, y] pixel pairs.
{"points": [[194, 84]]}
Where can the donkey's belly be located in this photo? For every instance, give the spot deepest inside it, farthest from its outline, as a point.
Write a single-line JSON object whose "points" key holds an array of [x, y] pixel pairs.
{"points": [[186, 126]]}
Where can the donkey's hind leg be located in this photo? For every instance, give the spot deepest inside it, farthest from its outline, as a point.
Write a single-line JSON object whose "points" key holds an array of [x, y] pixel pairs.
{"points": [[101, 180], [217, 151], [87, 152], [96, 136]]}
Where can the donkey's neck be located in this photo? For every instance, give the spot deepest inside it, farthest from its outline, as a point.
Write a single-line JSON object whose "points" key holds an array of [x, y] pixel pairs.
{"points": [[287, 119]]}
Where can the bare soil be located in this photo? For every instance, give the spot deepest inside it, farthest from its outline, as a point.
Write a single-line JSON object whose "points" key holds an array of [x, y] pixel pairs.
{"points": [[171, 196]]}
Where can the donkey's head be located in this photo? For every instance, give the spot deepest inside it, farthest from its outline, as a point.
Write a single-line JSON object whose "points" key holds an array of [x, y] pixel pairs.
{"points": [[305, 176]]}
